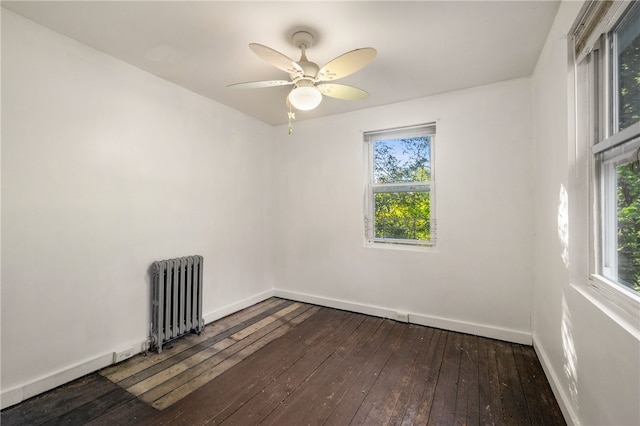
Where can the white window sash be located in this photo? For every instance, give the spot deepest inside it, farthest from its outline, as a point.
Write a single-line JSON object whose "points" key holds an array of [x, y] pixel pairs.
{"points": [[401, 187], [401, 132], [621, 138]]}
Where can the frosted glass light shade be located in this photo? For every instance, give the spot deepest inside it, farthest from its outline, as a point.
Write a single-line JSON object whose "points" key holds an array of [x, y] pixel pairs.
{"points": [[305, 98]]}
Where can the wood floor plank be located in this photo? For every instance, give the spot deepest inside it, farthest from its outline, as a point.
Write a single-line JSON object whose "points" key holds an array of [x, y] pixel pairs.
{"points": [[467, 408], [484, 384], [58, 402], [121, 371], [411, 379], [198, 374], [321, 384], [382, 398], [490, 393], [93, 409], [132, 412], [462, 385], [147, 385], [289, 363], [180, 353], [226, 393], [265, 402], [543, 407], [191, 364], [13, 417], [152, 395], [444, 402], [405, 408], [216, 366], [427, 390], [339, 385], [473, 380], [406, 414], [514, 406], [529, 387], [350, 403]]}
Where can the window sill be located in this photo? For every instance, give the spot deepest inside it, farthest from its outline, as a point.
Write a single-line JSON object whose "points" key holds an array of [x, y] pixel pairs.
{"points": [[400, 246], [621, 306]]}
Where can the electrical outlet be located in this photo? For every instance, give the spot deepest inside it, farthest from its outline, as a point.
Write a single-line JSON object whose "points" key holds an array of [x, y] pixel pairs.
{"points": [[122, 355]]}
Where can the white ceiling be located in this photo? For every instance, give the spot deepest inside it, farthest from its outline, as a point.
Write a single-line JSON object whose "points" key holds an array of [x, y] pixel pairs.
{"points": [[424, 47]]}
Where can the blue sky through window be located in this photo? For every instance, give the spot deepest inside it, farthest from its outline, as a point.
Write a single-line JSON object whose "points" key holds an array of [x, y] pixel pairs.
{"points": [[402, 159]]}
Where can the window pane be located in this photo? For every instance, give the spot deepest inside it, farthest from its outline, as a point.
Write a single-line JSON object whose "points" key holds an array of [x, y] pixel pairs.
{"points": [[628, 211], [403, 215], [627, 46], [402, 160]]}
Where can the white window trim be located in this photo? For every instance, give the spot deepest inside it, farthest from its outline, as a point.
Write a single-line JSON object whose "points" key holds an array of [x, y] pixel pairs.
{"points": [[621, 304], [626, 300], [370, 240]]}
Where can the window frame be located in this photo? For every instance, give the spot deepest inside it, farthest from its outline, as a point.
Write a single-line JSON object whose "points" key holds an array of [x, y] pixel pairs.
{"points": [[595, 79], [608, 162], [372, 188]]}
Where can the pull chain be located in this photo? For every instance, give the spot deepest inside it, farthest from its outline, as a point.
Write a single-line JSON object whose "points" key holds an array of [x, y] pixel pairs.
{"points": [[292, 116]]}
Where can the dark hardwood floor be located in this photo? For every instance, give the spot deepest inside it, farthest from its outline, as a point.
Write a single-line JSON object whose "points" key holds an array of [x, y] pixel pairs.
{"points": [[287, 363]]}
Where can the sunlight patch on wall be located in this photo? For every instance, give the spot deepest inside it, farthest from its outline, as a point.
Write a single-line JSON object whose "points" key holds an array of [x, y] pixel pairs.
{"points": [[563, 224], [570, 357]]}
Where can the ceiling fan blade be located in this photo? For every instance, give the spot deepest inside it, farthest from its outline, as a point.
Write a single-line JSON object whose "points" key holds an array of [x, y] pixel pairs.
{"points": [[346, 64], [260, 84], [342, 91], [276, 58]]}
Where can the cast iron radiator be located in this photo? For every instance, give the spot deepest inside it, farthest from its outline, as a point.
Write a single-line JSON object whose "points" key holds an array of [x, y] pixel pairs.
{"points": [[176, 305]]}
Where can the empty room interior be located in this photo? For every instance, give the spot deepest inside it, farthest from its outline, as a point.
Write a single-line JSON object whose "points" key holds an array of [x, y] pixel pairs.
{"points": [[471, 167]]}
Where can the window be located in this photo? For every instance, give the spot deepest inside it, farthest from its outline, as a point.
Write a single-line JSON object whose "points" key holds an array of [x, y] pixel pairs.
{"points": [[608, 51], [399, 206]]}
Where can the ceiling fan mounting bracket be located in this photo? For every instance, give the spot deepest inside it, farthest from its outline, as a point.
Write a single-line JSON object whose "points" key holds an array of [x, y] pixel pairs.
{"points": [[302, 38]]}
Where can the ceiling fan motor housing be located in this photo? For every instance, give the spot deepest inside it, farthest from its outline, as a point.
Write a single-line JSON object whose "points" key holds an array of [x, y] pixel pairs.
{"points": [[302, 38], [304, 82]]}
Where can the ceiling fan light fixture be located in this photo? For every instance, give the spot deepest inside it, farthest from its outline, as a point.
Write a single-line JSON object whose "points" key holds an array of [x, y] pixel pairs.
{"points": [[311, 83], [305, 98]]}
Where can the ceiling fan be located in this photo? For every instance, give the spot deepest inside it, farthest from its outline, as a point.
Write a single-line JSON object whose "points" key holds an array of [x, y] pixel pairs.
{"points": [[309, 80]]}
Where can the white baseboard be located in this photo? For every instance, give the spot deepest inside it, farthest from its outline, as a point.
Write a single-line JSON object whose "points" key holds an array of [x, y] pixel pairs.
{"points": [[11, 397], [431, 321], [492, 332], [563, 399], [376, 311], [20, 393], [237, 306]]}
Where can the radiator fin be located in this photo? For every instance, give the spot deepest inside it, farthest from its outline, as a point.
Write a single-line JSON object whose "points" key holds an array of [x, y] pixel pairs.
{"points": [[176, 305]]}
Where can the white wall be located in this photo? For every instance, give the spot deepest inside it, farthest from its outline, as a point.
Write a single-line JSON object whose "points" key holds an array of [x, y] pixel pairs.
{"points": [[103, 165], [479, 276], [591, 353], [105, 169]]}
